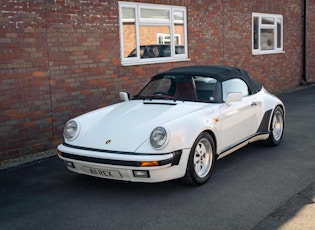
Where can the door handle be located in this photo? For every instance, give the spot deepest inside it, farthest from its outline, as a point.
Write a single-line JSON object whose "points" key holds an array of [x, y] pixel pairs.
{"points": [[253, 103]]}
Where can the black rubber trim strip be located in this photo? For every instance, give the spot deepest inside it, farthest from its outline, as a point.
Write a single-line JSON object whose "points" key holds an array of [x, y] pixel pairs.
{"points": [[264, 124], [99, 160], [173, 161], [110, 151]]}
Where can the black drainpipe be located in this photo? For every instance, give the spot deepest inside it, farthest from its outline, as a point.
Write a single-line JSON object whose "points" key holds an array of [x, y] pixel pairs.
{"points": [[304, 43]]}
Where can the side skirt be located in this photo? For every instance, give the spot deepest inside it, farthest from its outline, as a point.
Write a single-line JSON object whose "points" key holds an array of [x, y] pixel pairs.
{"points": [[259, 137]]}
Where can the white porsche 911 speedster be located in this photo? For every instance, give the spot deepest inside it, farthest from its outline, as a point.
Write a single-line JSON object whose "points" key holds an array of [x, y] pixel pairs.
{"points": [[177, 126]]}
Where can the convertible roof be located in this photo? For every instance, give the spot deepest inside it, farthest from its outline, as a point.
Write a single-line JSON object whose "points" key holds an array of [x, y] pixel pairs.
{"points": [[221, 73]]}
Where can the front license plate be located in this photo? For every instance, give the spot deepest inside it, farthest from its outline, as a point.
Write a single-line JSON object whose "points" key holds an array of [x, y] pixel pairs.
{"points": [[104, 173]]}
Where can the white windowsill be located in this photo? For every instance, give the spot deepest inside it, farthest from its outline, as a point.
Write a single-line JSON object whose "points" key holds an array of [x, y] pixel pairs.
{"points": [[148, 62], [267, 52]]}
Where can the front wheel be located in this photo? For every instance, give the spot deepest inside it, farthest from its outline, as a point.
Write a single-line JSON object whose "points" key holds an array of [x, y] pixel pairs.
{"points": [[201, 160], [276, 127]]}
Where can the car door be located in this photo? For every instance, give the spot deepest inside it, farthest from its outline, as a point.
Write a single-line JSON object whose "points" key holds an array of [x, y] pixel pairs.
{"points": [[239, 120]]}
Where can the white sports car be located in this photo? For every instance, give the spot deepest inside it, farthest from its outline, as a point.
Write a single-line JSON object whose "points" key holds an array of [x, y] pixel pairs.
{"points": [[177, 126]]}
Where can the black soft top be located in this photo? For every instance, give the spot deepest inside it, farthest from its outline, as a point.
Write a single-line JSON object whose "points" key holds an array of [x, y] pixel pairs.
{"points": [[221, 73]]}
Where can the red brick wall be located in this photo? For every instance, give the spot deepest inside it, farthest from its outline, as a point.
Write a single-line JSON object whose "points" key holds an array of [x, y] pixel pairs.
{"points": [[25, 109], [61, 58], [222, 34]]}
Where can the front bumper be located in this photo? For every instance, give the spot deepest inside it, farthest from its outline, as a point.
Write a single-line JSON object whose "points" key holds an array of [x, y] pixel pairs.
{"points": [[124, 166]]}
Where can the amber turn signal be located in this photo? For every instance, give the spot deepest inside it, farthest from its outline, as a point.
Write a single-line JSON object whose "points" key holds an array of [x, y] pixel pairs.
{"points": [[149, 163]]}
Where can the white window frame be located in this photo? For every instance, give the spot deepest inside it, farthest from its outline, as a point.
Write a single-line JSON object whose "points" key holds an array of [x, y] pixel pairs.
{"points": [[127, 61], [276, 49]]}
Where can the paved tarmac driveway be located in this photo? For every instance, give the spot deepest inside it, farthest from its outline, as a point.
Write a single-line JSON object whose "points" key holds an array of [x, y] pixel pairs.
{"points": [[257, 187]]}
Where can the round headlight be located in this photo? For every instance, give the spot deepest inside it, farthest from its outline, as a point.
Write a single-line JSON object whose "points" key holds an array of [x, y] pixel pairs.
{"points": [[158, 137], [71, 130]]}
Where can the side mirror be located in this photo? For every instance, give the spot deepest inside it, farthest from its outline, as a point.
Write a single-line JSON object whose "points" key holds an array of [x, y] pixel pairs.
{"points": [[124, 96], [233, 97]]}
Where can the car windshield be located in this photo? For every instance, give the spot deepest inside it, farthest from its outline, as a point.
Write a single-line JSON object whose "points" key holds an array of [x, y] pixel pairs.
{"points": [[185, 88]]}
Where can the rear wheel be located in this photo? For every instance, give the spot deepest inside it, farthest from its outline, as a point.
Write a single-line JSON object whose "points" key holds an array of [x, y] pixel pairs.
{"points": [[276, 127], [201, 160]]}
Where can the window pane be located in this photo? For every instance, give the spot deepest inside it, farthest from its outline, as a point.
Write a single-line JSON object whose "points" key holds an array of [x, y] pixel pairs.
{"points": [[163, 38], [152, 31], [279, 32], [267, 33], [234, 85], [179, 32], [179, 17], [150, 37], [154, 14], [129, 32], [255, 35], [206, 89], [268, 20], [161, 86], [128, 14], [267, 39]]}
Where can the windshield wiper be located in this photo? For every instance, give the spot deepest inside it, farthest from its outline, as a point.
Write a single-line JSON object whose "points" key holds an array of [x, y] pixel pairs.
{"points": [[138, 97], [157, 96]]}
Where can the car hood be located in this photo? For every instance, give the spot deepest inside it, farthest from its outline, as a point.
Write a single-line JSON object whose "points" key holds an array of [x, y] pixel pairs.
{"points": [[125, 126]]}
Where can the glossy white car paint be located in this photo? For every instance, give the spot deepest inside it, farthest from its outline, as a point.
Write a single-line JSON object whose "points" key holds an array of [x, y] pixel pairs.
{"points": [[122, 121], [111, 141]]}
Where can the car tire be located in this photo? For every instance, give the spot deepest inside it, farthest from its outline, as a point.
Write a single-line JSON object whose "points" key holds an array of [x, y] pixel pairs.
{"points": [[276, 127], [201, 160]]}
